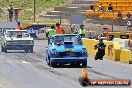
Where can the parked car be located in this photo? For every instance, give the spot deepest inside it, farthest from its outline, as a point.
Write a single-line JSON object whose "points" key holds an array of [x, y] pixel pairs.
{"points": [[66, 49], [17, 40]]}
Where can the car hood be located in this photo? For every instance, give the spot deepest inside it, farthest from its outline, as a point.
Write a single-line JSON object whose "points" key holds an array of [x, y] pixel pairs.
{"points": [[62, 48], [10, 39]]}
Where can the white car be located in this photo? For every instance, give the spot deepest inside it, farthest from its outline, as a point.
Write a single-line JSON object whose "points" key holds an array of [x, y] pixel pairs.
{"points": [[17, 40]]}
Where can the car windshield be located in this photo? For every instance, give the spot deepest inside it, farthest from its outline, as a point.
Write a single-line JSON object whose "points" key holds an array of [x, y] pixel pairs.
{"points": [[17, 34], [75, 39]]}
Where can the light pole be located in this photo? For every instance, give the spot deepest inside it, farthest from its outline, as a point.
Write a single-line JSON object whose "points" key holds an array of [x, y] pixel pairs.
{"points": [[60, 18], [113, 21], [34, 9]]}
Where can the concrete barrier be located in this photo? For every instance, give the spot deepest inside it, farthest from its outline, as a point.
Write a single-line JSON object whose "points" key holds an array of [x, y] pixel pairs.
{"points": [[117, 55], [116, 51], [89, 44], [108, 52], [125, 56], [112, 50]]}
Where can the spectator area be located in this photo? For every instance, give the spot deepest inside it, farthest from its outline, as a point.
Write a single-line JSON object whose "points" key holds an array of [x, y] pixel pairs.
{"points": [[118, 5]]}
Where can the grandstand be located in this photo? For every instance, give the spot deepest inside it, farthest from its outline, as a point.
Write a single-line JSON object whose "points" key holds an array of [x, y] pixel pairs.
{"points": [[124, 6]]}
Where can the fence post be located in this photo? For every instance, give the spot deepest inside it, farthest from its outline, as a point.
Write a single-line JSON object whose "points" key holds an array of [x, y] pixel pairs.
{"points": [[113, 22]]}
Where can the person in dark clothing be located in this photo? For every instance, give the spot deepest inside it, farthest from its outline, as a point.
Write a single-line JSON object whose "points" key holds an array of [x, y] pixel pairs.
{"points": [[16, 13], [128, 17], [100, 7], [119, 17], [91, 7], [101, 50], [110, 8], [10, 11]]}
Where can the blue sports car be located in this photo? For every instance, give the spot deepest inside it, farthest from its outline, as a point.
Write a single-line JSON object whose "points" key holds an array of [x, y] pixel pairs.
{"points": [[66, 49]]}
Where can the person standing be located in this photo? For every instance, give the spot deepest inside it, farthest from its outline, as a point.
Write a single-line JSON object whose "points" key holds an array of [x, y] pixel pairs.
{"points": [[91, 7], [82, 31], [18, 27], [100, 7], [59, 29], [73, 29], [110, 8], [50, 32], [128, 17], [119, 17], [101, 50], [16, 12], [10, 11]]}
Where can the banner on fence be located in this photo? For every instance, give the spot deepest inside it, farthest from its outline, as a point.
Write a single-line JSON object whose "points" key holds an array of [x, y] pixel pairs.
{"points": [[36, 30]]}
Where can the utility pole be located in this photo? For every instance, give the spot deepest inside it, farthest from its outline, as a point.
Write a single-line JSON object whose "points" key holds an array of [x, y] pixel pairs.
{"points": [[34, 10], [113, 21], [60, 17]]}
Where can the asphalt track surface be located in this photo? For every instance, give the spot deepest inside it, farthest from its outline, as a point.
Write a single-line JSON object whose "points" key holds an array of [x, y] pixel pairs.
{"points": [[30, 70]]}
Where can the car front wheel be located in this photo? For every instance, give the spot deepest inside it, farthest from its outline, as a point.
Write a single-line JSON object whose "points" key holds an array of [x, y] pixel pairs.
{"points": [[2, 49], [31, 49], [48, 60], [26, 50]]}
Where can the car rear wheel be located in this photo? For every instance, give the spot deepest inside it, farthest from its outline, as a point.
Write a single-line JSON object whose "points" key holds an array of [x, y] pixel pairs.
{"points": [[78, 64], [26, 50], [84, 64], [53, 64], [59, 64], [73, 64], [31, 49]]}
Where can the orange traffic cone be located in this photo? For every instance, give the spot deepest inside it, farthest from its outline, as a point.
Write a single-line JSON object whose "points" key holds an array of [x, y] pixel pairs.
{"points": [[84, 73], [84, 80]]}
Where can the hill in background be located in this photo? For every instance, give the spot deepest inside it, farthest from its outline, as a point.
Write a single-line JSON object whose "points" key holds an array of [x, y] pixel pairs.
{"points": [[27, 7]]}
